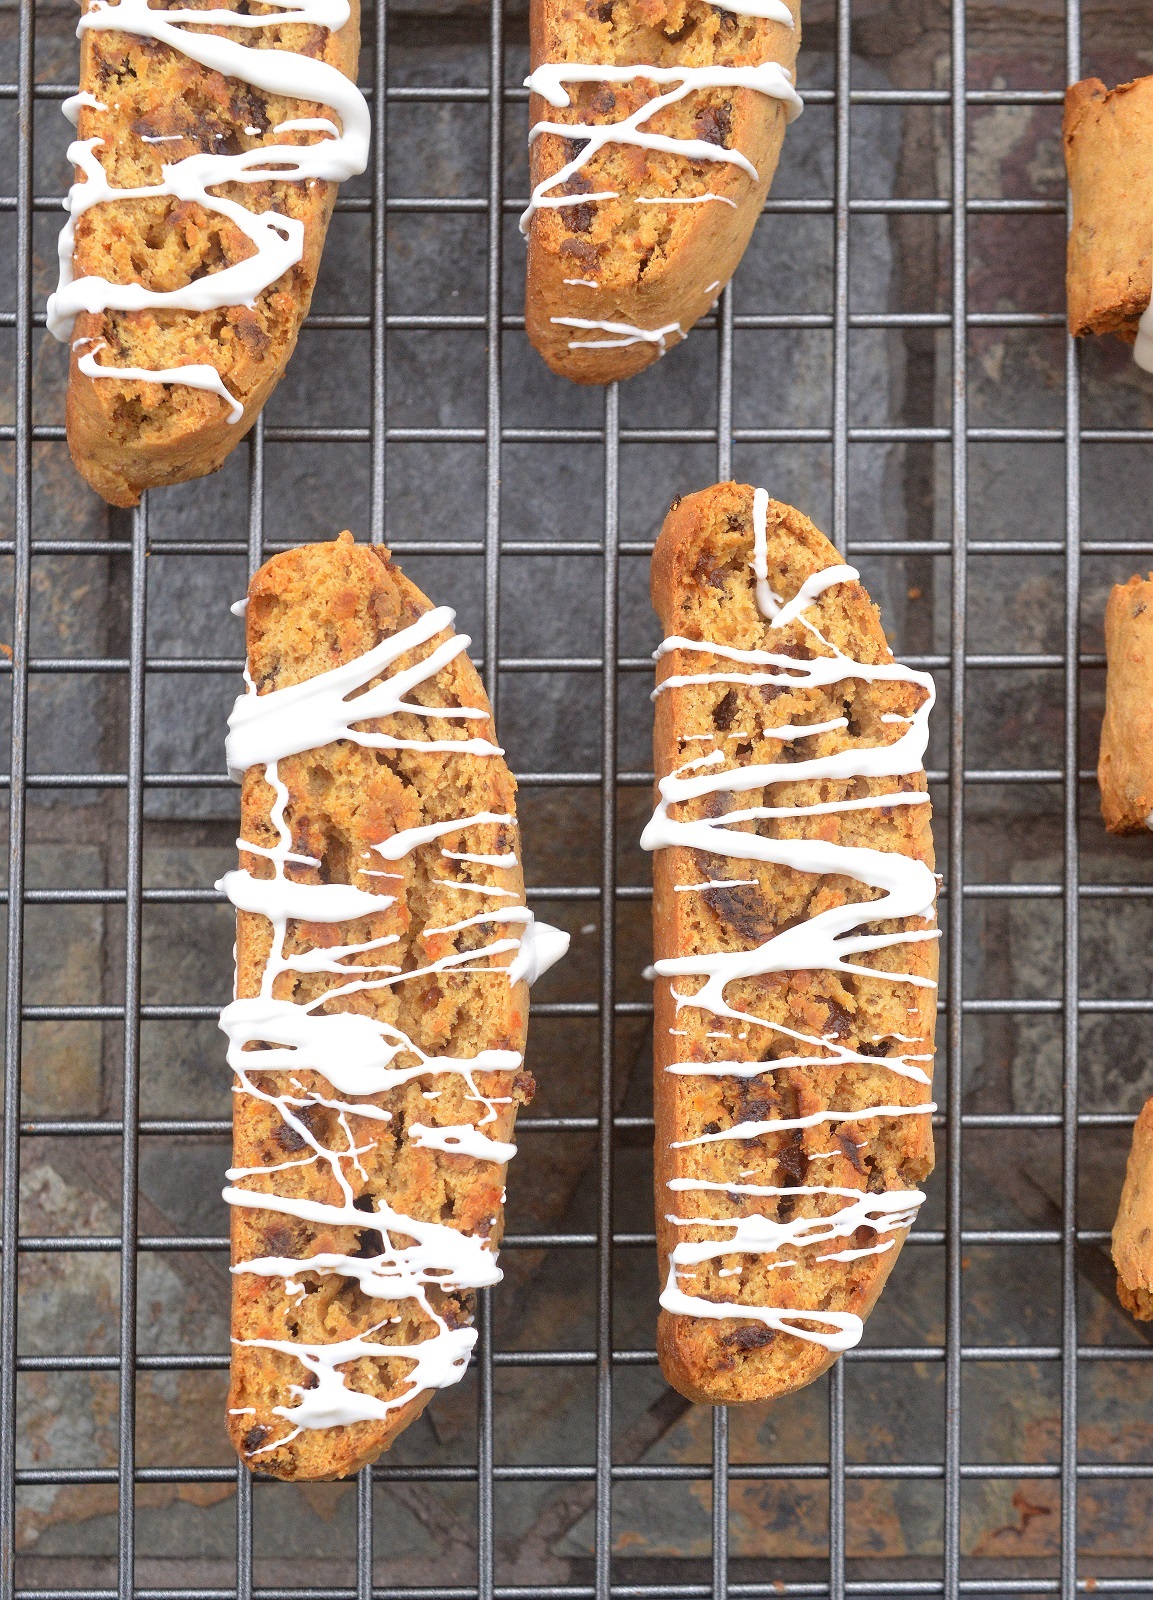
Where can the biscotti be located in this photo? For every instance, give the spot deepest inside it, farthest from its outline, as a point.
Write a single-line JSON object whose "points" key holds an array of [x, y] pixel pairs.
{"points": [[382, 962], [206, 171], [655, 131], [1125, 762], [793, 922], [1108, 153], [1133, 1229]]}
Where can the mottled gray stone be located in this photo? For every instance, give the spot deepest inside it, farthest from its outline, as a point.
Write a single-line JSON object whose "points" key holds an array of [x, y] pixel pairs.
{"points": [[551, 604], [64, 965], [187, 960]]}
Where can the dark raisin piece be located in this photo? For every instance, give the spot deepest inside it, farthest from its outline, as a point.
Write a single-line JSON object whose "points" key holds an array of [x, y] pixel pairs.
{"points": [[849, 1145], [715, 124], [755, 1337], [792, 1162], [725, 711]]}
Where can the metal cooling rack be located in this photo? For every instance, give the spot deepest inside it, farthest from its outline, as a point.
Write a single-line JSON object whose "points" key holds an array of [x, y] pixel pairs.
{"points": [[129, 543]]}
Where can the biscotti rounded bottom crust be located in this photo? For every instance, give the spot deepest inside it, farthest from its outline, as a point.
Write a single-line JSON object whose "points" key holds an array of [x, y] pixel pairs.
{"points": [[129, 435], [1108, 138], [310, 610], [1132, 1240], [150, 104], [679, 286], [654, 266], [1125, 760], [703, 590]]}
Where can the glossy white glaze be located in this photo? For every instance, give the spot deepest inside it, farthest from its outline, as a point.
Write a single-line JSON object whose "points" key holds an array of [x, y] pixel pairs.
{"points": [[357, 1055], [829, 940], [549, 80], [278, 239]]}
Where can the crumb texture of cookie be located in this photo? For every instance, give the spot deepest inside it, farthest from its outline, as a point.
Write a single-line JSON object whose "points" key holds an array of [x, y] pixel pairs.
{"points": [[795, 935], [1108, 136], [207, 157], [1125, 761], [655, 130], [377, 1036], [1133, 1229]]}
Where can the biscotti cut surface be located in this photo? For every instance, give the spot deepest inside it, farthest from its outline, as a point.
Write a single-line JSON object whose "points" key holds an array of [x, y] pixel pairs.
{"points": [[380, 913], [1108, 152], [151, 106], [1133, 1229], [619, 277], [1125, 761], [793, 1036]]}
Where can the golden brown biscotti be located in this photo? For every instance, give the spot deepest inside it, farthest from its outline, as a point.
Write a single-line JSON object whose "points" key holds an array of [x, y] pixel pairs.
{"points": [[369, 1162], [1125, 762], [1133, 1229], [155, 106], [792, 1072], [1108, 154], [648, 270]]}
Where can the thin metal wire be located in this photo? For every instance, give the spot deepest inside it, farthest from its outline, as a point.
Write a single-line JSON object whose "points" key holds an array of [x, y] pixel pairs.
{"points": [[1071, 928], [603, 1360], [14, 961], [842, 193], [378, 320], [130, 1099], [603, 1517], [958, 361]]}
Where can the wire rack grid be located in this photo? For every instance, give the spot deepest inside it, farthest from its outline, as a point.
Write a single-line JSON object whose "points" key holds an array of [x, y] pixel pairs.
{"points": [[129, 542]]}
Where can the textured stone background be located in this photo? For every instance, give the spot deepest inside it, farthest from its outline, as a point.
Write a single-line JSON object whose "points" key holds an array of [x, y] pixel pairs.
{"points": [[551, 605]]}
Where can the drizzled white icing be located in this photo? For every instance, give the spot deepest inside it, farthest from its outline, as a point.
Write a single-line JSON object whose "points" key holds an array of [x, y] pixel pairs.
{"points": [[360, 1055], [264, 727], [685, 200], [823, 942], [1143, 348], [624, 334], [754, 1234], [278, 240], [198, 375], [769, 78], [770, 10]]}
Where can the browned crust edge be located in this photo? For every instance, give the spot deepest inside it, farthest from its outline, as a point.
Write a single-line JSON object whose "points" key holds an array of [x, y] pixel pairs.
{"points": [[1108, 141], [199, 438], [685, 1364], [1125, 759], [1133, 1229], [334, 1453], [707, 246]]}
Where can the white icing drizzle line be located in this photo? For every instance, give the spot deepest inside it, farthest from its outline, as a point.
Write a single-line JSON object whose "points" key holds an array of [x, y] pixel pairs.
{"points": [[197, 376], [822, 943], [278, 239], [770, 10], [626, 334], [1143, 348], [755, 1234], [769, 78], [684, 200], [304, 716], [354, 1052]]}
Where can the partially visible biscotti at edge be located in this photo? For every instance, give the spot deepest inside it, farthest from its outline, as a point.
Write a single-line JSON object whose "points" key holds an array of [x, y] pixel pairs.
{"points": [[783, 1190], [125, 434], [1108, 155], [1133, 1229], [1125, 762], [614, 283], [377, 1147]]}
